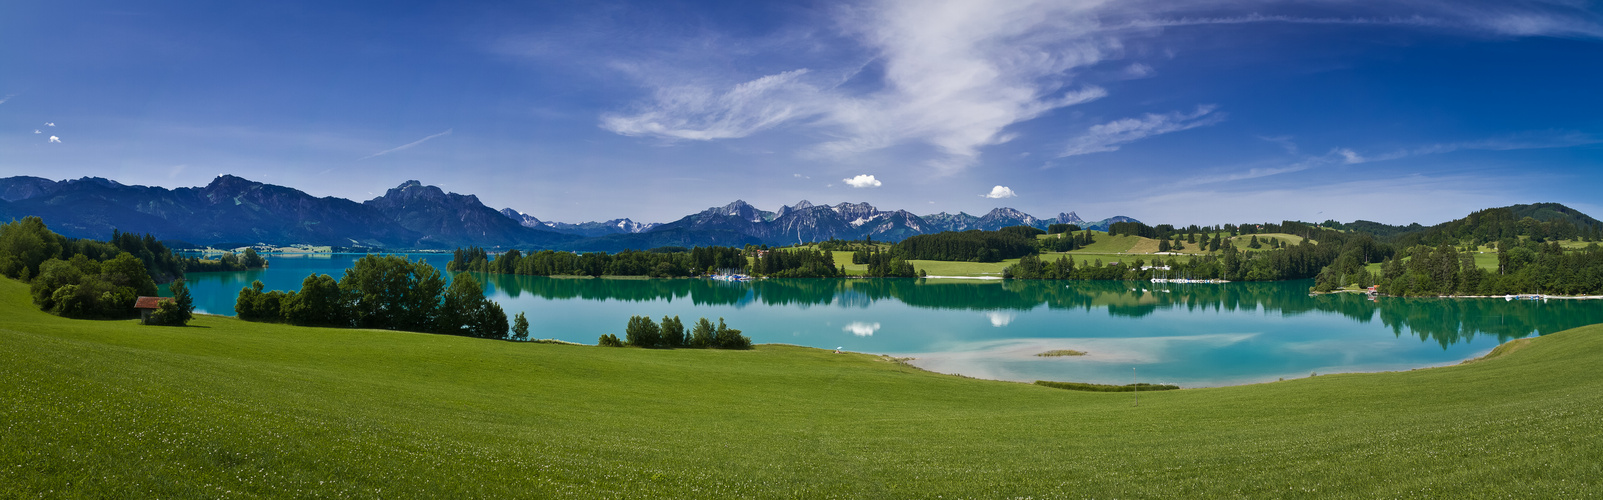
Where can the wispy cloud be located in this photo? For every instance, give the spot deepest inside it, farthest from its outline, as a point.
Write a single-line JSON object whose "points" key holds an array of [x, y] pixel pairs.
{"points": [[953, 75], [1398, 199], [1527, 140], [6, 98], [408, 145], [1000, 192], [1553, 19], [1137, 70], [55, 139], [1349, 156], [1110, 136], [697, 113], [862, 181]]}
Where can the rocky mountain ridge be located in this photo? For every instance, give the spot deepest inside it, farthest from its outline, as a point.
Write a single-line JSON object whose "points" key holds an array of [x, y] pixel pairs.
{"points": [[233, 211]]}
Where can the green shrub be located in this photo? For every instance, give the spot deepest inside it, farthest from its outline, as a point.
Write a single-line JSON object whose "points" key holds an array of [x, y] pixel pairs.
{"points": [[1080, 386], [642, 332]]}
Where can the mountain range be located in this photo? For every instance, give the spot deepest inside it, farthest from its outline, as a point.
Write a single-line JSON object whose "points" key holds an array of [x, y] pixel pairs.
{"points": [[232, 212]]}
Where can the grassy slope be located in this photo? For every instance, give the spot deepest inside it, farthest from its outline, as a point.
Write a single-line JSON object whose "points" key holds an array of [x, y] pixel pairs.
{"points": [[112, 409]]}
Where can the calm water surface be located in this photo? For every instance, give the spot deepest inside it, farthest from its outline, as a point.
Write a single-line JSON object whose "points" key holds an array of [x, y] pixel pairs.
{"points": [[1193, 335]]}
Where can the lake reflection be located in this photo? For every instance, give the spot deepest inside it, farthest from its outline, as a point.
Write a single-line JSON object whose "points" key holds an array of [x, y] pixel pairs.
{"points": [[1189, 334]]}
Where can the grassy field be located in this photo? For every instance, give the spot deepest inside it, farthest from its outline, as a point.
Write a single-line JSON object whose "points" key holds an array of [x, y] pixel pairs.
{"points": [[1242, 241], [944, 268], [232, 409], [1487, 261]]}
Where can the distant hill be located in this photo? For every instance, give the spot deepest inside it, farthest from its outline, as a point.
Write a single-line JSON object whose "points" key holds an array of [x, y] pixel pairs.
{"points": [[1546, 220]]}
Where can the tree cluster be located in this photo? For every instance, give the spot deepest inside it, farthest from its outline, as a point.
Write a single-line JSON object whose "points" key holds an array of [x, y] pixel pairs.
{"points": [[81, 287], [177, 310], [1067, 242], [884, 264], [643, 332], [1031, 267], [26, 244], [228, 261], [385, 292], [1061, 228], [967, 246], [796, 263]]}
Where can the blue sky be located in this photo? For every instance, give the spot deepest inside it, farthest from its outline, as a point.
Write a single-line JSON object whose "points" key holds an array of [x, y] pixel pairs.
{"points": [[1171, 112]]}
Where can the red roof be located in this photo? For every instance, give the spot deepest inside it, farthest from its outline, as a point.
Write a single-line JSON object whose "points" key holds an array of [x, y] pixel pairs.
{"points": [[148, 302]]}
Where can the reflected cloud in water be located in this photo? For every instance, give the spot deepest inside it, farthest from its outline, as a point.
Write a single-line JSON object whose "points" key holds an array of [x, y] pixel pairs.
{"points": [[861, 329]]}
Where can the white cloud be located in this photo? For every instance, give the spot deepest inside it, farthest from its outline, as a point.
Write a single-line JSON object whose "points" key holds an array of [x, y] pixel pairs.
{"points": [[861, 329], [6, 98], [36, 131], [862, 181], [1000, 192], [1110, 136], [55, 139], [406, 146], [50, 124]]}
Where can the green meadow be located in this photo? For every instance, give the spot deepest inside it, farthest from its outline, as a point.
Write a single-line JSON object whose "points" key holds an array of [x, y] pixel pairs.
{"points": [[226, 408]]}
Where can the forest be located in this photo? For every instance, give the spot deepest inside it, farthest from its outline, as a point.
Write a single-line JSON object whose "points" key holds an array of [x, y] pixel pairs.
{"points": [[79, 278]]}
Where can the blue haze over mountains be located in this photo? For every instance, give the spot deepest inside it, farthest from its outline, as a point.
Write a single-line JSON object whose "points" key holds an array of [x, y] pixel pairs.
{"points": [[232, 211]]}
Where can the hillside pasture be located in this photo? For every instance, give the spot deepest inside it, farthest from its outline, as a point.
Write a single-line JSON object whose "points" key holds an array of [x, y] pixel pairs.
{"points": [[229, 408]]}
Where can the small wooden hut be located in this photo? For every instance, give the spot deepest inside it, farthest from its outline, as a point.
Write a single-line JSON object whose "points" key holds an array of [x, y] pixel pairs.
{"points": [[145, 306]]}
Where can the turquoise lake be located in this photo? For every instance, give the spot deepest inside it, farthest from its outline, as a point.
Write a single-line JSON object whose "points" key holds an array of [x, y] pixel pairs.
{"points": [[1193, 335]]}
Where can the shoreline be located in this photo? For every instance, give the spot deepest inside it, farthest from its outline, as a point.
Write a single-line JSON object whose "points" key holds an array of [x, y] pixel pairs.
{"points": [[1509, 297]]}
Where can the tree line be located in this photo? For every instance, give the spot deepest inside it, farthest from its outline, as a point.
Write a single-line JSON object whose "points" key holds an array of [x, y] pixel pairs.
{"points": [[663, 263], [884, 264], [1523, 267], [228, 261], [384, 292], [969, 246], [643, 332]]}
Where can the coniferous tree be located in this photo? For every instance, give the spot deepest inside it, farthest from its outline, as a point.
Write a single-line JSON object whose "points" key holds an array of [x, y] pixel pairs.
{"points": [[703, 334], [520, 328]]}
